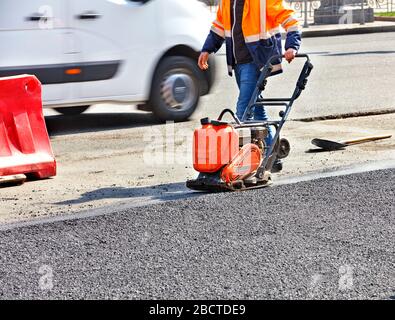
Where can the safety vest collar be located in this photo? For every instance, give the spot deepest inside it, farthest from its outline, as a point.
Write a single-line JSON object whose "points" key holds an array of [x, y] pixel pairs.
{"points": [[253, 11]]}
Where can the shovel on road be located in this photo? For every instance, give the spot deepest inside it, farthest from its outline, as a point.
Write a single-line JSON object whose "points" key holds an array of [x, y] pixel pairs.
{"points": [[334, 145]]}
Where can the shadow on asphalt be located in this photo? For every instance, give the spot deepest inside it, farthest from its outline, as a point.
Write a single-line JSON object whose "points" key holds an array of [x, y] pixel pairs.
{"points": [[92, 122], [172, 191], [318, 151]]}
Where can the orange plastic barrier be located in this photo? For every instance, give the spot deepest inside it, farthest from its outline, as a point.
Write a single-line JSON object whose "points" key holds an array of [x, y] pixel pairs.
{"points": [[24, 143]]}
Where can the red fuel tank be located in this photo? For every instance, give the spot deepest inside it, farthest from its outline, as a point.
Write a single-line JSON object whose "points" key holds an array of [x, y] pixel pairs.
{"points": [[214, 147]]}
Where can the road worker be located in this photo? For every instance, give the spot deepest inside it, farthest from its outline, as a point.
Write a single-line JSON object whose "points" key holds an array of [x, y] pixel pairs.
{"points": [[251, 31]]}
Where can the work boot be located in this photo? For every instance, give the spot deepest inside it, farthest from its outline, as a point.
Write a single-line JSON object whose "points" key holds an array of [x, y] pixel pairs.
{"points": [[277, 166]]}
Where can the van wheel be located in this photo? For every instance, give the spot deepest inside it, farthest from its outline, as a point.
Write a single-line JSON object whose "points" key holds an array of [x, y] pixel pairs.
{"points": [[72, 111], [175, 89]]}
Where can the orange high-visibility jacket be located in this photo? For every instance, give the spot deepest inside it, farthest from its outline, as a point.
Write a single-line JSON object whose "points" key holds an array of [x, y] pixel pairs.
{"points": [[261, 29]]}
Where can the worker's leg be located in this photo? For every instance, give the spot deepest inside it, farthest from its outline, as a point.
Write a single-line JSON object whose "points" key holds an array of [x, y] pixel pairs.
{"points": [[247, 76]]}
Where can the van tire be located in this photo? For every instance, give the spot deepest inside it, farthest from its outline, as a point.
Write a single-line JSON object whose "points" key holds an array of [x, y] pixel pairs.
{"points": [[175, 91], [72, 111]]}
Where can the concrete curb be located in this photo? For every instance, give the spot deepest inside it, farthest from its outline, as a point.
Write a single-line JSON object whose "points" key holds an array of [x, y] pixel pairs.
{"points": [[349, 31], [341, 116], [390, 19]]}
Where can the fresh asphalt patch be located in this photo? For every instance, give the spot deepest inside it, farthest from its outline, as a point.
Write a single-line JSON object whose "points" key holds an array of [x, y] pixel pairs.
{"points": [[325, 238]]}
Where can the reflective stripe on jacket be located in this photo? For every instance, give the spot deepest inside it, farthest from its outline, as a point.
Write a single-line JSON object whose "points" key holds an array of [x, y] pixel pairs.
{"points": [[261, 28]]}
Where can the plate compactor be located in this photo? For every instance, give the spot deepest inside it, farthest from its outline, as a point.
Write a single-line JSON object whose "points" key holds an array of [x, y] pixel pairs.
{"points": [[234, 156]]}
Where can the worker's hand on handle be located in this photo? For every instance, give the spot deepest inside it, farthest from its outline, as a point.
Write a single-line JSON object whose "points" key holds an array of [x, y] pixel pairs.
{"points": [[203, 60], [290, 54]]}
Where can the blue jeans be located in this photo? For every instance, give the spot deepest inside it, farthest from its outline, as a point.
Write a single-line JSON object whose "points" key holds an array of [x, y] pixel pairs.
{"points": [[247, 76]]}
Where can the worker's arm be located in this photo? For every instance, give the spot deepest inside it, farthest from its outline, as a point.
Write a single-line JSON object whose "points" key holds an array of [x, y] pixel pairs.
{"points": [[283, 15], [214, 40]]}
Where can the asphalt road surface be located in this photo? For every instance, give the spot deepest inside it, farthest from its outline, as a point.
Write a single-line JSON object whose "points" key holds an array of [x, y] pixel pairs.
{"points": [[101, 155], [326, 238], [352, 73]]}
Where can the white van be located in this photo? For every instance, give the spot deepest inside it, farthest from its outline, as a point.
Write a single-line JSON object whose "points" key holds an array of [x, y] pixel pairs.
{"points": [[93, 51]]}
